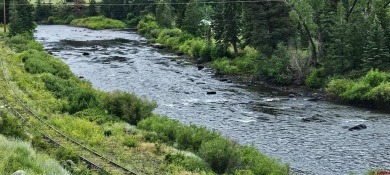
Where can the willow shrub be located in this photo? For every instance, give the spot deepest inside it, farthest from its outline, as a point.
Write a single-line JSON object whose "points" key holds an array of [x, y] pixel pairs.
{"points": [[128, 106], [371, 89], [98, 23], [221, 155]]}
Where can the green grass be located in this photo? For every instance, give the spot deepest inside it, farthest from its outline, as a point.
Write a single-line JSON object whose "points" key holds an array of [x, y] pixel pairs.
{"points": [[98, 23], [19, 155]]}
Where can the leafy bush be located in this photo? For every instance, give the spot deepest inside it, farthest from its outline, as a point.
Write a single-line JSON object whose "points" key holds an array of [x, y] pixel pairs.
{"points": [[147, 24], [98, 23], [190, 163], [160, 125], [130, 142], [128, 106], [380, 94], [374, 77], [95, 115], [221, 154], [193, 47], [63, 153], [338, 86], [275, 68], [225, 66], [10, 126], [316, 78], [192, 137]]}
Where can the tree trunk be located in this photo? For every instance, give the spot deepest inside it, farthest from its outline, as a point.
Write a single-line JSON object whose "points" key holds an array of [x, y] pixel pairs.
{"points": [[314, 60]]}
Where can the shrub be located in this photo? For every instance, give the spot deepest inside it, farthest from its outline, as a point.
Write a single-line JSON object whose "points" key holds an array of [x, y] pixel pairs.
{"points": [[95, 115], [130, 142], [374, 77], [190, 163], [193, 47], [225, 66], [165, 34], [10, 126], [338, 86], [221, 154], [63, 153], [128, 106], [98, 23], [147, 24], [316, 78], [191, 137], [275, 68], [160, 125], [356, 91], [380, 94]]}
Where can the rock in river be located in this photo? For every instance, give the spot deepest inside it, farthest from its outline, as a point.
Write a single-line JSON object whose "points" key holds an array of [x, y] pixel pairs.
{"points": [[211, 92], [358, 127]]}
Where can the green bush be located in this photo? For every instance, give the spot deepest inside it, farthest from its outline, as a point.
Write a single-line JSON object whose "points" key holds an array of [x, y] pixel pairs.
{"points": [[10, 126], [193, 47], [337, 87], [130, 142], [379, 94], [128, 106], [190, 163], [356, 91], [95, 115], [221, 154], [160, 125], [225, 66], [374, 77], [147, 24], [98, 23], [63, 153], [275, 68], [316, 78]]}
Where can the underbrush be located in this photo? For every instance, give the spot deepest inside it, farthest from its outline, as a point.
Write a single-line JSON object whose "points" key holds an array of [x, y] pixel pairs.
{"points": [[373, 89], [98, 23], [18, 155], [221, 154]]}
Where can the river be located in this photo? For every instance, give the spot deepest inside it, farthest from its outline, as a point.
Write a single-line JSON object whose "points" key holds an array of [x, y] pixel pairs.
{"points": [[247, 114]]}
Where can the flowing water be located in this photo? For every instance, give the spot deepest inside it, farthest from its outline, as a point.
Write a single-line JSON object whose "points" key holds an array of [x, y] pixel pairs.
{"points": [[250, 115]]}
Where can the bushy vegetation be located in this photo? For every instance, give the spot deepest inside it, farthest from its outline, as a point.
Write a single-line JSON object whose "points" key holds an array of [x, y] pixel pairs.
{"points": [[10, 126], [221, 154], [98, 23], [373, 89], [17, 155]]}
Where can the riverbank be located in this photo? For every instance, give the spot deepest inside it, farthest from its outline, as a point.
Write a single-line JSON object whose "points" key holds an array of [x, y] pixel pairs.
{"points": [[76, 116]]}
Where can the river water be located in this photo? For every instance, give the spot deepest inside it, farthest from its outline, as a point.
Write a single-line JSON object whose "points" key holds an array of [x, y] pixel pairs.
{"points": [[250, 115]]}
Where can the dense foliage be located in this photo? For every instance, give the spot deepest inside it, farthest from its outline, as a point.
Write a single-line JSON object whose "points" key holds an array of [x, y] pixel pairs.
{"points": [[98, 23]]}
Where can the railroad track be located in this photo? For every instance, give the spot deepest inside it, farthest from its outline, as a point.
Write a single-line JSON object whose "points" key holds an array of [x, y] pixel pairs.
{"points": [[92, 158]]}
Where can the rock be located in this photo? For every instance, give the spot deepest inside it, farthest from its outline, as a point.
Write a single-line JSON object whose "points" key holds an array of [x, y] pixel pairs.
{"points": [[50, 53], [81, 77], [158, 46], [315, 99], [211, 92], [200, 67], [223, 79], [173, 59], [180, 53], [274, 93], [358, 127], [315, 95], [314, 118], [19, 172], [200, 83], [291, 95], [85, 53]]}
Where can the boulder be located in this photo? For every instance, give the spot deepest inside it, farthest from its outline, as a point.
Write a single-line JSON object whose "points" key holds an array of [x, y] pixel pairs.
{"points": [[358, 127], [158, 46], [211, 93], [19, 172], [85, 53], [291, 95], [81, 77], [200, 67], [223, 79], [314, 118], [180, 53]]}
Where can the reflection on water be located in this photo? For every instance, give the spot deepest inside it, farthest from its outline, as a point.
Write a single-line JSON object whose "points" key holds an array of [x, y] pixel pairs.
{"points": [[312, 136]]}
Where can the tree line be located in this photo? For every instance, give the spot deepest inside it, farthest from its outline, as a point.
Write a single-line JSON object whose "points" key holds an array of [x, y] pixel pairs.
{"points": [[298, 39]]}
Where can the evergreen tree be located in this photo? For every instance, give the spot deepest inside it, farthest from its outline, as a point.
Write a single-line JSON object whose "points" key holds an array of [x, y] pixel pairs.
{"points": [[376, 54], [193, 17], [226, 21], [42, 11], [164, 16], [117, 9], [21, 17], [92, 8]]}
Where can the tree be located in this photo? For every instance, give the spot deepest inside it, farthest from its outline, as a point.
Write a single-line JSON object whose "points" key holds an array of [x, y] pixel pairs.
{"points": [[21, 17], [376, 54], [116, 9], [226, 24], [42, 11], [193, 18], [164, 16], [92, 8]]}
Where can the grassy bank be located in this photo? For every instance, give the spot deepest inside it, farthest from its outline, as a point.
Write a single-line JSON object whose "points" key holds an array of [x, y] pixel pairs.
{"points": [[143, 141], [98, 23], [19, 155]]}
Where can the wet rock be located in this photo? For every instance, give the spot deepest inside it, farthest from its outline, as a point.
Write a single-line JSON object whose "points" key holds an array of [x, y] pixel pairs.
{"points": [[200, 83], [200, 67], [274, 93], [173, 59], [291, 95], [158, 46], [358, 127], [223, 79], [81, 77], [50, 53], [180, 53], [85, 53], [211, 93], [19, 172], [315, 99], [314, 118]]}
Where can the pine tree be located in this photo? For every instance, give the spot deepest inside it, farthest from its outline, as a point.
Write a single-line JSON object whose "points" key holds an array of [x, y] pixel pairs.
{"points": [[21, 17], [92, 8], [376, 54], [42, 11], [193, 17], [164, 16]]}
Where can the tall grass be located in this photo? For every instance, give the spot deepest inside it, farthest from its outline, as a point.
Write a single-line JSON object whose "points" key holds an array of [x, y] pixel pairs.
{"points": [[18, 155]]}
